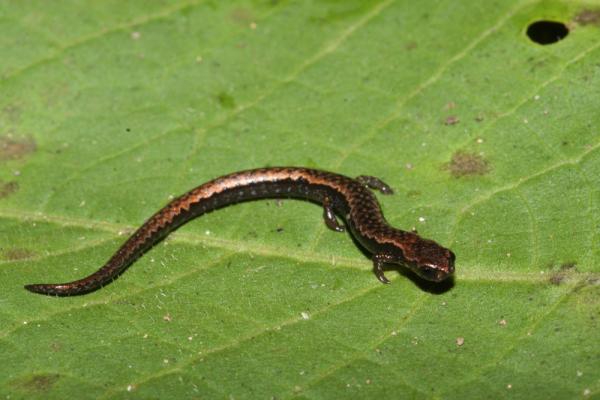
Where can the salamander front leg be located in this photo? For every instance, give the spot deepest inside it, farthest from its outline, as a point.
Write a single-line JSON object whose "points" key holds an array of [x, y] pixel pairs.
{"points": [[378, 261], [374, 183], [329, 216]]}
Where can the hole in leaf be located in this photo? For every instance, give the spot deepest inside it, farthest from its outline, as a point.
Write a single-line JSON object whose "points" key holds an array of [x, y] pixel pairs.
{"points": [[547, 32]]}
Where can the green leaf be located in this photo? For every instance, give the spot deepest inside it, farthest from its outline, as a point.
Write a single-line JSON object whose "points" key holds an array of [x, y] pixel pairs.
{"points": [[491, 141]]}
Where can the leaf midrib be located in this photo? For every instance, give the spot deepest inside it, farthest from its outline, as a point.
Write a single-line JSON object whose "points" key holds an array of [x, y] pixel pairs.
{"points": [[240, 246]]}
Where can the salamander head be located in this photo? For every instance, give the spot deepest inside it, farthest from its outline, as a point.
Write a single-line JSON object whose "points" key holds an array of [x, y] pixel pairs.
{"points": [[430, 261], [424, 257]]}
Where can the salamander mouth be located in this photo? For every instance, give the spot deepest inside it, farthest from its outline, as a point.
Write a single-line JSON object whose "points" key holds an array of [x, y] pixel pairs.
{"points": [[433, 274]]}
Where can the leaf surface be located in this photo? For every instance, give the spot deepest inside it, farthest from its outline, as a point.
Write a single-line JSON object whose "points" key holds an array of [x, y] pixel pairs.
{"points": [[491, 142]]}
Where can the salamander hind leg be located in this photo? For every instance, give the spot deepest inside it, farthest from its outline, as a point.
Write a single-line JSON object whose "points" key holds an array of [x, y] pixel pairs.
{"points": [[374, 183], [329, 216]]}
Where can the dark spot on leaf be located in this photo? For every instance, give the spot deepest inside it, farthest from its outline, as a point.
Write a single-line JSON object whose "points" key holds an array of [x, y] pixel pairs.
{"points": [[451, 120], [39, 383], [18, 254], [241, 16], [280, 229], [588, 17], [547, 32], [410, 46], [466, 164], [556, 279], [561, 273], [226, 101], [14, 149], [8, 188]]}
